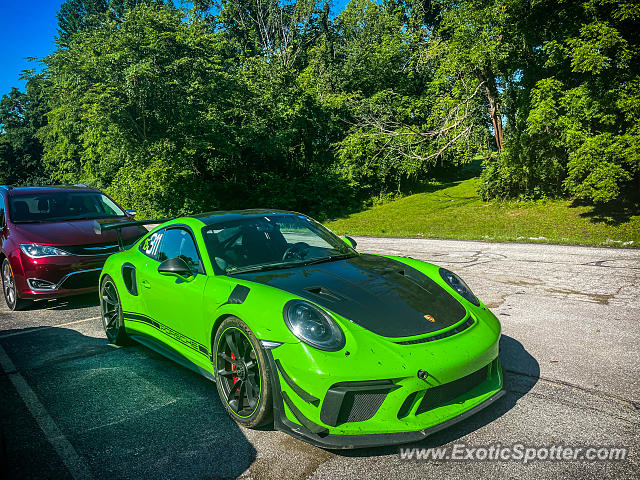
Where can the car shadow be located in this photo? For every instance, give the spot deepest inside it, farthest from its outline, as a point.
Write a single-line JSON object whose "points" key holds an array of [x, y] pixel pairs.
{"points": [[614, 213], [128, 412], [522, 372], [85, 300]]}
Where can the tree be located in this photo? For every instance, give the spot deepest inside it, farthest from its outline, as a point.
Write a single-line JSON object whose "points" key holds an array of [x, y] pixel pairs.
{"points": [[576, 120], [21, 116], [74, 16], [233, 103]]}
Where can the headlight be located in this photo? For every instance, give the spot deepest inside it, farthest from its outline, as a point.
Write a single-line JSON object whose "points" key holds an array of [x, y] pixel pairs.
{"points": [[455, 282], [313, 326], [38, 251]]}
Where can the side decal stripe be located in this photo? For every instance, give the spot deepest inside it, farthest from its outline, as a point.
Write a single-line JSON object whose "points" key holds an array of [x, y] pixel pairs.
{"points": [[170, 332]]}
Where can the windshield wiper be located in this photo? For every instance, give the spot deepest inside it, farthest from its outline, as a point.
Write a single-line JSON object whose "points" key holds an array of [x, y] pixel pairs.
{"points": [[271, 266], [330, 258], [275, 266]]}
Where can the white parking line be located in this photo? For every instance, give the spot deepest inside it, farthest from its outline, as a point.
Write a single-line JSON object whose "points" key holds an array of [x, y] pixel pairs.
{"points": [[37, 329], [76, 465]]}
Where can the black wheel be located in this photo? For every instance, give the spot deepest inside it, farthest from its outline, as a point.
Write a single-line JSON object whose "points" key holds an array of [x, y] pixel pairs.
{"points": [[242, 374], [112, 319], [10, 290]]}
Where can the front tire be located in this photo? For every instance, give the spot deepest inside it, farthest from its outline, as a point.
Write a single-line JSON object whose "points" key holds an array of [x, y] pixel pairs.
{"points": [[242, 374], [10, 290], [111, 309]]}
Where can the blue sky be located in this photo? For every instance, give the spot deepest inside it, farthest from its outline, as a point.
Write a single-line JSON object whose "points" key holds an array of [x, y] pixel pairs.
{"points": [[27, 29]]}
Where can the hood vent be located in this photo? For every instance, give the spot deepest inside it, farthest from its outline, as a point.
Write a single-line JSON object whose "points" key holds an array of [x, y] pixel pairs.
{"points": [[409, 275], [323, 292]]}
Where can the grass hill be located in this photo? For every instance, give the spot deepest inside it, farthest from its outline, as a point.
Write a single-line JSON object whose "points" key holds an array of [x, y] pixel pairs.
{"points": [[454, 210]]}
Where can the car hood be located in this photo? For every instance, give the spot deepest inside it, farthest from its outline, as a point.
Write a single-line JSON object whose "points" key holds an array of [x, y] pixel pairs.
{"points": [[382, 295], [74, 232]]}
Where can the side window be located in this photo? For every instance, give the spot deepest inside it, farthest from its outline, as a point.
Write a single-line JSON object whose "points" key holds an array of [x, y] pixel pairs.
{"points": [[177, 242], [151, 244]]}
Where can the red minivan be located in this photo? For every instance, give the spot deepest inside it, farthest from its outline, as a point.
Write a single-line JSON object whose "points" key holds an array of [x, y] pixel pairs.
{"points": [[49, 247]]}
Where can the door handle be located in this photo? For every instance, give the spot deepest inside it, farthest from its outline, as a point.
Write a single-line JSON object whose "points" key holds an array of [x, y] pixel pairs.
{"points": [[146, 284]]}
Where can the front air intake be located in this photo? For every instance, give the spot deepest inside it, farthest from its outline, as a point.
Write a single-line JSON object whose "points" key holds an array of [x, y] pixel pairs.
{"points": [[448, 392], [354, 401]]}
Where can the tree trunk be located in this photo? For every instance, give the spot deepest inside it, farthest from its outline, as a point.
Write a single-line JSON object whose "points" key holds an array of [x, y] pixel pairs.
{"points": [[489, 85]]}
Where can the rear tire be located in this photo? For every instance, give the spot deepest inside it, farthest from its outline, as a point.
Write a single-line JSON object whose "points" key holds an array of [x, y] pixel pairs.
{"points": [[242, 374], [111, 309], [10, 290]]}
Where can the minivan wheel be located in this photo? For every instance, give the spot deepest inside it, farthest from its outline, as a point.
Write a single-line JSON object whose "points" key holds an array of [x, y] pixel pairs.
{"points": [[9, 289]]}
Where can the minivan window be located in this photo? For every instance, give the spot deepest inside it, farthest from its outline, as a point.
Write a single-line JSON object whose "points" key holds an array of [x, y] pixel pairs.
{"points": [[62, 206]]}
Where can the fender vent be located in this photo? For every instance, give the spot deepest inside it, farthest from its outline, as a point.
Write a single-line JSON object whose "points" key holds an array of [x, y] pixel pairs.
{"points": [[129, 277]]}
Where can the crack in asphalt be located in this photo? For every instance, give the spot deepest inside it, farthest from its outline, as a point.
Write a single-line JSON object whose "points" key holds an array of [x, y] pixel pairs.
{"points": [[570, 404], [70, 357], [629, 403], [601, 298], [599, 263]]}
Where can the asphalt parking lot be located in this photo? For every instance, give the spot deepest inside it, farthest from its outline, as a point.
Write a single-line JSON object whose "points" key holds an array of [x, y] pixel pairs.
{"points": [[74, 406]]}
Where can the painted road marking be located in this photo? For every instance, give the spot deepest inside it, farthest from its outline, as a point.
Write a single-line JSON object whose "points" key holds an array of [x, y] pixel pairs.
{"points": [[76, 465], [38, 329]]}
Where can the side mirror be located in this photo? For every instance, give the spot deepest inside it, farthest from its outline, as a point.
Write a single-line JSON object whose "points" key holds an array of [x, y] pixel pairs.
{"points": [[175, 267], [350, 241], [130, 213]]}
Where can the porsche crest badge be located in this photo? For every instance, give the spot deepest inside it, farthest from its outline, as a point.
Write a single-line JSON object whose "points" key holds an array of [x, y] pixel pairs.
{"points": [[430, 318]]}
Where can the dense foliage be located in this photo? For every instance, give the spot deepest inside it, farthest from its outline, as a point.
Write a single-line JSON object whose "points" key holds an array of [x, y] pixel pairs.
{"points": [[278, 103]]}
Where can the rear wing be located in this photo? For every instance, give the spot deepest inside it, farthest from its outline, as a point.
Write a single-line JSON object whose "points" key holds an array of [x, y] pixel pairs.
{"points": [[100, 226]]}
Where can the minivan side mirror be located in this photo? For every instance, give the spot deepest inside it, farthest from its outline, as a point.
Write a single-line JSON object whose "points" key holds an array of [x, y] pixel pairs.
{"points": [[350, 241], [176, 267], [130, 213]]}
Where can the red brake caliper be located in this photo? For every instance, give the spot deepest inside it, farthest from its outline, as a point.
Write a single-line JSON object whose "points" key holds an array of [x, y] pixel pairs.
{"points": [[233, 369]]}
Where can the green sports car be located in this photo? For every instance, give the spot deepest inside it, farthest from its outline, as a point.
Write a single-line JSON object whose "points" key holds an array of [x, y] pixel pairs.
{"points": [[297, 329]]}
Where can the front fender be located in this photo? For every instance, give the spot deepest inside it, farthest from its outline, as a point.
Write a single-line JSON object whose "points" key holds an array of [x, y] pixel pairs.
{"points": [[261, 308]]}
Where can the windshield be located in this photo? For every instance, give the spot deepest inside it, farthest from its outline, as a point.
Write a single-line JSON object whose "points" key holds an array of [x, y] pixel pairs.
{"points": [[61, 206], [271, 241]]}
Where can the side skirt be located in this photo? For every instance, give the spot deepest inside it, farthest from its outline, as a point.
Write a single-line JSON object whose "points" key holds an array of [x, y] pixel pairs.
{"points": [[169, 352]]}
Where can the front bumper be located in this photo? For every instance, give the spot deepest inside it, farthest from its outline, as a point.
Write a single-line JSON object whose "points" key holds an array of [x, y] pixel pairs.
{"points": [[55, 277], [379, 399], [320, 435]]}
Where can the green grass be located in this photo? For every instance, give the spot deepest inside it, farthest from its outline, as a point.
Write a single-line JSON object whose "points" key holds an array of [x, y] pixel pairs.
{"points": [[454, 210]]}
